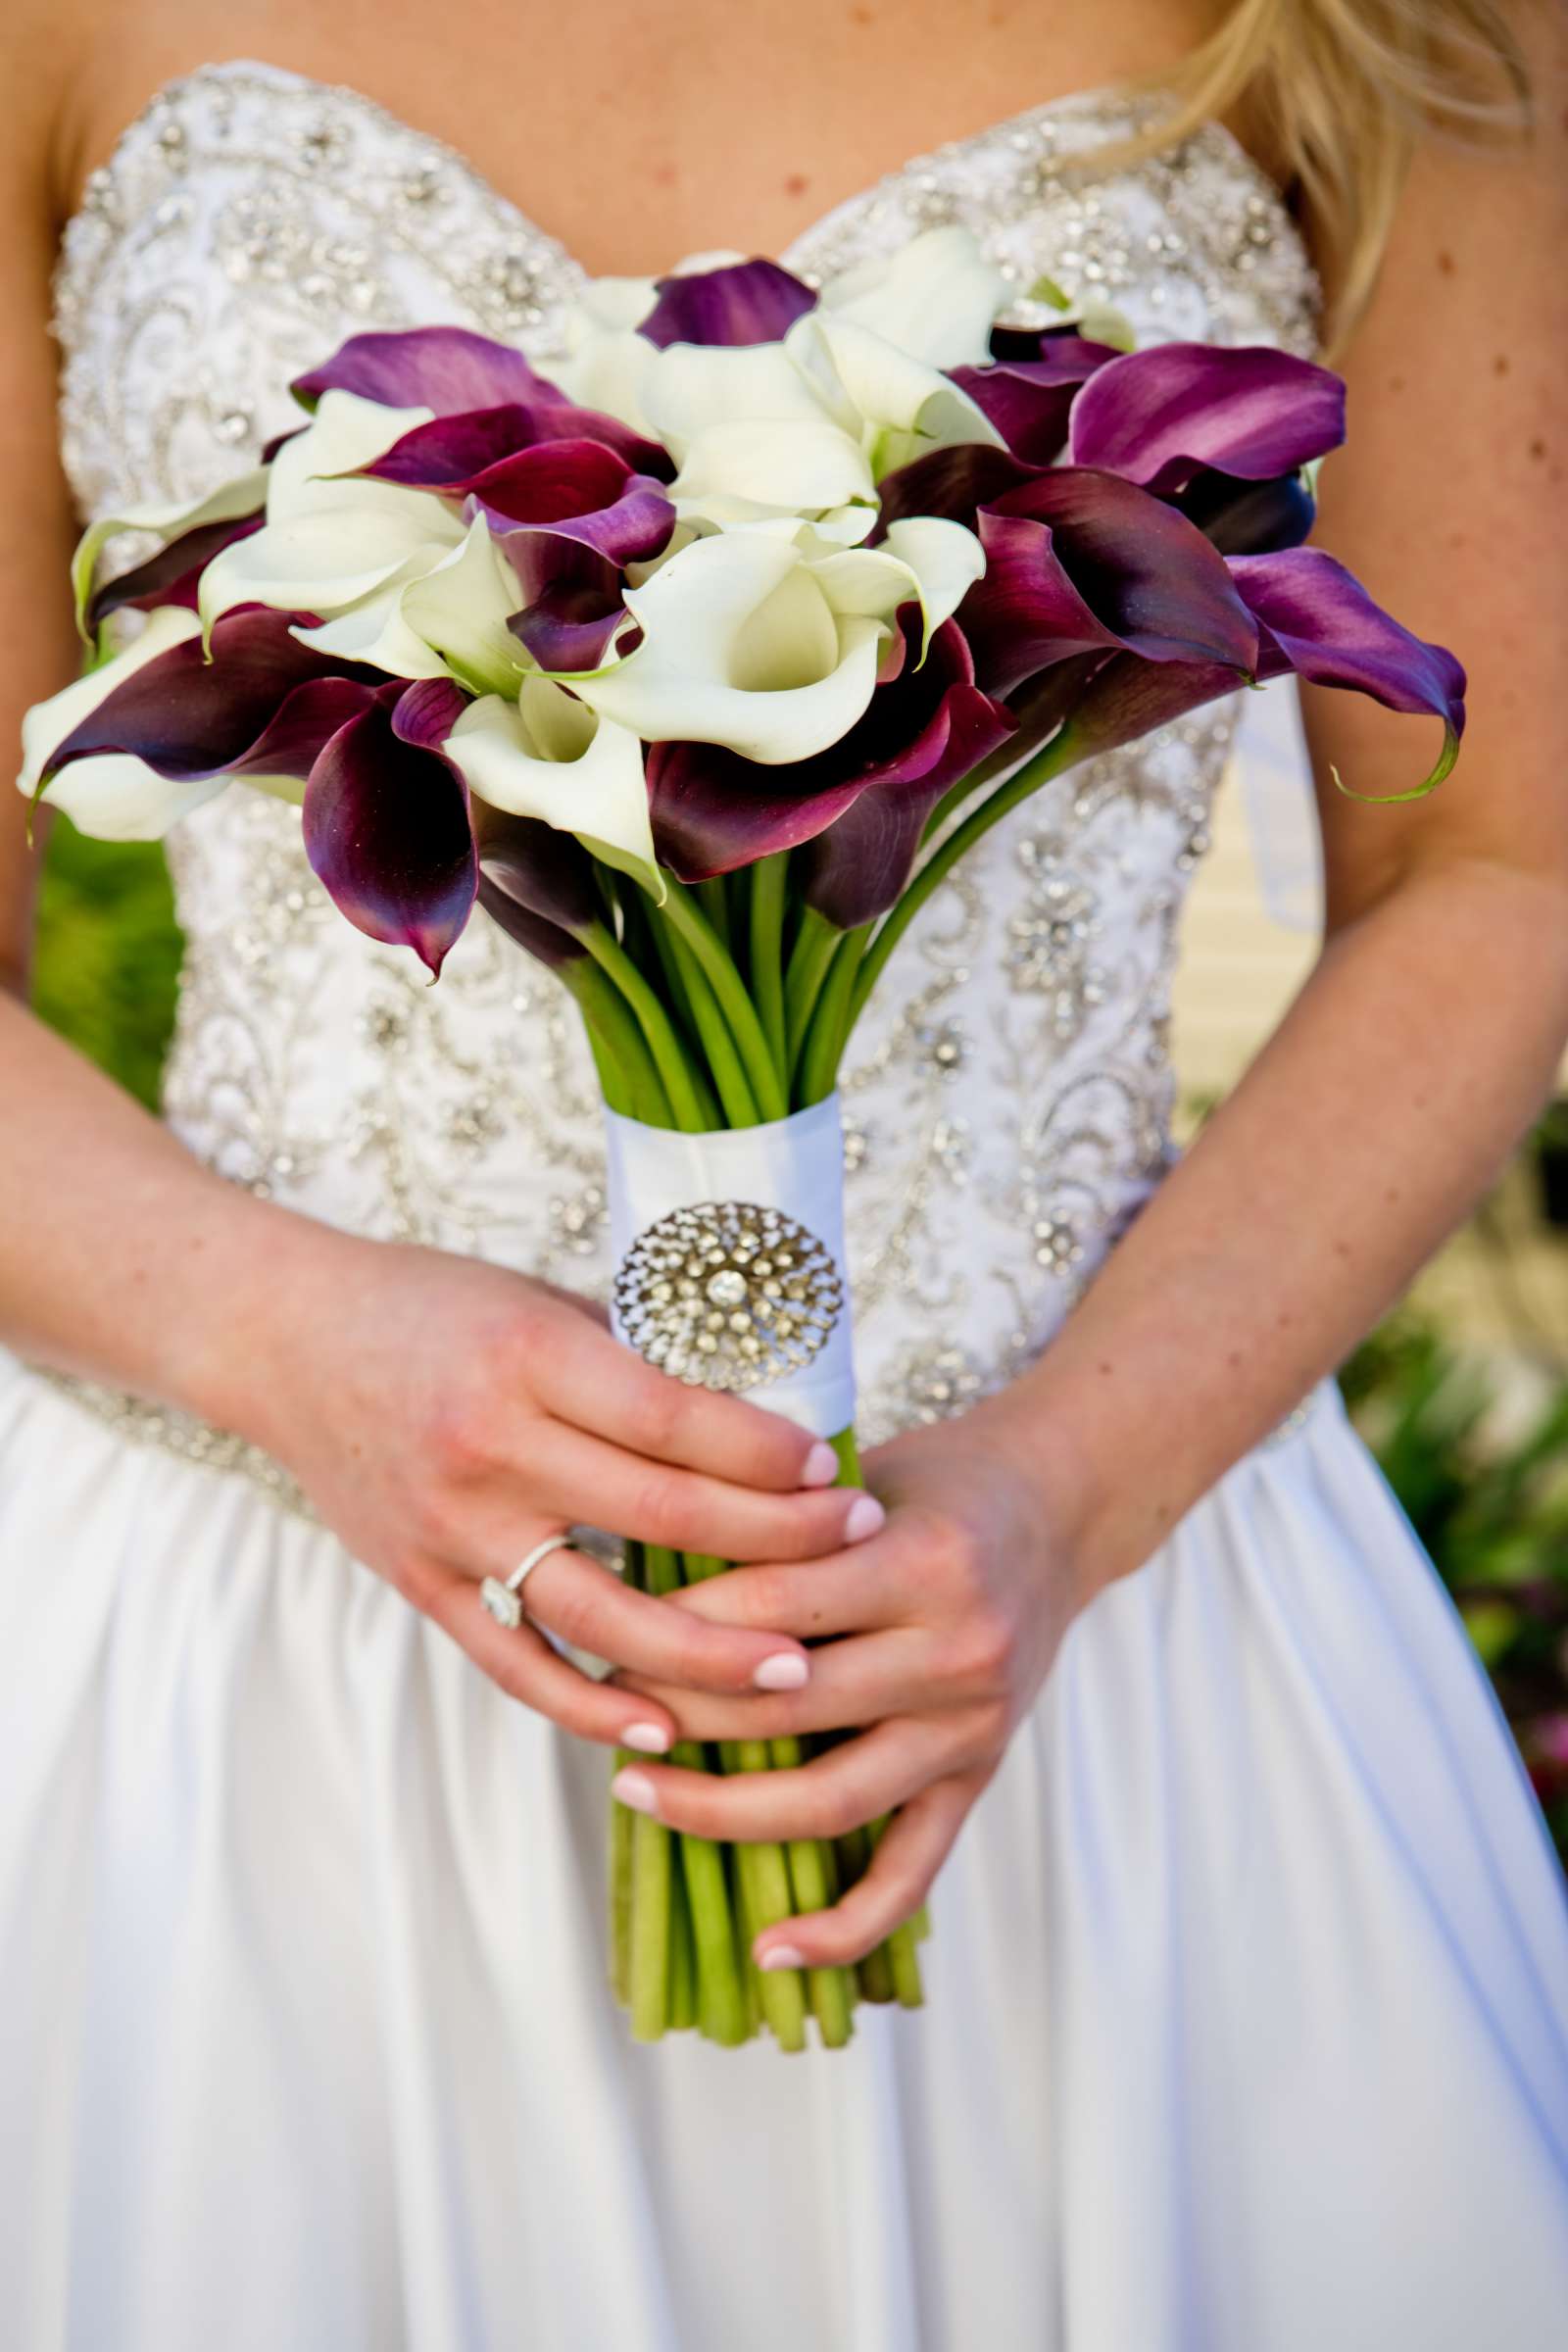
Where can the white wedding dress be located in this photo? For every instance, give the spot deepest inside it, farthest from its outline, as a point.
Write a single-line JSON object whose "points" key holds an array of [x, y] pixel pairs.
{"points": [[1247, 2026]]}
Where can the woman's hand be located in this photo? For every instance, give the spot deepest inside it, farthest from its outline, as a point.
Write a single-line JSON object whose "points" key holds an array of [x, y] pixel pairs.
{"points": [[937, 1632], [444, 1416]]}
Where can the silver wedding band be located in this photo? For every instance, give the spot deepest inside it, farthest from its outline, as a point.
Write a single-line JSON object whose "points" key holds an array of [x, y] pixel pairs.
{"points": [[504, 1599]]}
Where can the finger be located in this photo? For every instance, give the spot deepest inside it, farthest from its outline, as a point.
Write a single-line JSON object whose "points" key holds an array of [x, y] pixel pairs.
{"points": [[849, 1785], [594, 1381], [523, 1664], [871, 1583], [854, 1683], [910, 1852], [589, 1607], [687, 1511]]}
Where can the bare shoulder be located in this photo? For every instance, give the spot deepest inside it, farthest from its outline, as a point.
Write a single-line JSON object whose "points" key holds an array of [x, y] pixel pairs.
{"points": [[1448, 497]]}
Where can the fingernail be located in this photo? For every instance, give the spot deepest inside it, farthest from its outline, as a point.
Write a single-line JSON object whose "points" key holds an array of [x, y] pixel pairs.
{"points": [[650, 1737], [781, 1955], [864, 1516], [821, 1465], [633, 1787], [783, 1671]]}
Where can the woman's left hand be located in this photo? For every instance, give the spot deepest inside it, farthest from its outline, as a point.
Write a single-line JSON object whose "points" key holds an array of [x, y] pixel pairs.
{"points": [[936, 1633]]}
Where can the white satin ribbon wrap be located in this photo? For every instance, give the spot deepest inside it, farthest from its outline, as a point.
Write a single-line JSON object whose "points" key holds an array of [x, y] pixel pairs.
{"points": [[795, 1166]]}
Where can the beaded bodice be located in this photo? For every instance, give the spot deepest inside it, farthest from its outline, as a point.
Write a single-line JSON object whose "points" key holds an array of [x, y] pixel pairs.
{"points": [[1007, 1104]]}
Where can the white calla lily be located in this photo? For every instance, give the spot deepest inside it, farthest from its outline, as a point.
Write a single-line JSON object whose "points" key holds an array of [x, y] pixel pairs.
{"points": [[547, 756], [922, 560], [241, 496], [934, 298], [901, 406], [328, 542], [751, 433], [606, 361], [745, 645], [113, 794], [459, 608]]}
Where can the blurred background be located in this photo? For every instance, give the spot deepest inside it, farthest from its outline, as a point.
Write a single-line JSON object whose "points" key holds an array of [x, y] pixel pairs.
{"points": [[1462, 1393]]}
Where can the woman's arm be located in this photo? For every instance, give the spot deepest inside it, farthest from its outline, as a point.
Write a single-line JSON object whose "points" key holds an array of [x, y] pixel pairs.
{"points": [[1417, 1052], [444, 1415]]}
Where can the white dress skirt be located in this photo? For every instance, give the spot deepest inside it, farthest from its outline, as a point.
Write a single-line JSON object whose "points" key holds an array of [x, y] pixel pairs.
{"points": [[1246, 2021]]}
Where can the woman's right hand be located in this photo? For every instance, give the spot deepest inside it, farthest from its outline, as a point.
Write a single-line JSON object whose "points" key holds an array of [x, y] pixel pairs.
{"points": [[445, 1415]]}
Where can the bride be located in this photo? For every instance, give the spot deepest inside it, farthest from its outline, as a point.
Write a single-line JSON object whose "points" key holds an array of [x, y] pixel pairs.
{"points": [[1247, 2026]]}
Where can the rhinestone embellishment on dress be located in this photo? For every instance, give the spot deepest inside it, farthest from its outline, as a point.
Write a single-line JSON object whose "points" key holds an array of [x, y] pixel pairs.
{"points": [[728, 1295]]}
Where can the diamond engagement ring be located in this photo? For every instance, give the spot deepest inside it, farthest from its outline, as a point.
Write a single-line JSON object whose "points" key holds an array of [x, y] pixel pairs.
{"points": [[505, 1600]]}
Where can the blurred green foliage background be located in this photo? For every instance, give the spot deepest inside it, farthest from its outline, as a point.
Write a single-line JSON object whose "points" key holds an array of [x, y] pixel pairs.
{"points": [[1487, 1498]]}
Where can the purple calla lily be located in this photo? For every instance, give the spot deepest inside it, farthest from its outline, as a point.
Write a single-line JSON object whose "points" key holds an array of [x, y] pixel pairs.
{"points": [[454, 449], [1315, 619], [1029, 401], [263, 706], [448, 368], [952, 483], [387, 823], [742, 302], [1162, 415], [538, 884], [172, 574], [1079, 561], [927, 724]]}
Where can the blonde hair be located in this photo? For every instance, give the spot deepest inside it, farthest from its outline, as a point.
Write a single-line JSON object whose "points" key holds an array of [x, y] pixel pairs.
{"points": [[1339, 92]]}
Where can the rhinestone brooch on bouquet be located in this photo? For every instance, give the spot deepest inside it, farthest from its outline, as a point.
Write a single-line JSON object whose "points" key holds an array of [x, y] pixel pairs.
{"points": [[725, 1295]]}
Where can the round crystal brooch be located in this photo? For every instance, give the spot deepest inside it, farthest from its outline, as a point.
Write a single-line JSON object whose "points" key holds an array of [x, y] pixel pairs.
{"points": [[725, 1295]]}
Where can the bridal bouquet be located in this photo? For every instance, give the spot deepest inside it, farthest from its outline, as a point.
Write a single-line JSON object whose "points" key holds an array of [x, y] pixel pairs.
{"points": [[697, 661]]}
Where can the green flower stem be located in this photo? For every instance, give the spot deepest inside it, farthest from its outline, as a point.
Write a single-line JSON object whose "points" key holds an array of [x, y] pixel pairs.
{"points": [[765, 1876], [650, 1844], [768, 879], [715, 905], [627, 1072], [725, 1066], [620, 1895], [816, 943], [681, 1083], [682, 1957], [721, 1985], [682, 913], [1060, 752], [818, 1071], [750, 1973], [831, 1990]]}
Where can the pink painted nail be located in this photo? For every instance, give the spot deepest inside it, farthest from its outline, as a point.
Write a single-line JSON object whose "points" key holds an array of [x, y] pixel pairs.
{"points": [[784, 1671], [864, 1516], [633, 1787], [821, 1465], [782, 1955], [650, 1737]]}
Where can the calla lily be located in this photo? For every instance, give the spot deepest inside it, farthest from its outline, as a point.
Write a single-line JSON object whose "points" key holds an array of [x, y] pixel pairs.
{"points": [[331, 539], [386, 821], [450, 453], [606, 363], [751, 433], [1028, 399], [231, 503], [443, 369], [862, 804], [539, 886], [738, 302], [934, 298], [1313, 618], [172, 575], [445, 612], [898, 407], [1162, 415], [744, 643], [934, 563], [140, 741], [1080, 563], [548, 756]]}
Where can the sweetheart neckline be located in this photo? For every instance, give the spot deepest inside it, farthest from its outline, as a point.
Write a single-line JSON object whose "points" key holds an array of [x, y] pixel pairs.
{"points": [[217, 71]]}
